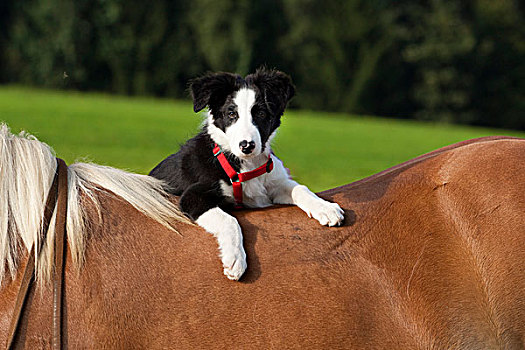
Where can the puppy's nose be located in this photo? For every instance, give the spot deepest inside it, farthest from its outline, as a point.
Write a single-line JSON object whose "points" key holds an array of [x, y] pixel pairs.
{"points": [[247, 147]]}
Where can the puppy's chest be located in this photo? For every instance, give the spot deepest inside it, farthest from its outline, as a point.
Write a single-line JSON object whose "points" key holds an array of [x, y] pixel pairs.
{"points": [[254, 192]]}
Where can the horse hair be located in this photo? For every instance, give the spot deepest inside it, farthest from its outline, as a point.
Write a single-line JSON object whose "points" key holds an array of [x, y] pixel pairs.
{"points": [[27, 168]]}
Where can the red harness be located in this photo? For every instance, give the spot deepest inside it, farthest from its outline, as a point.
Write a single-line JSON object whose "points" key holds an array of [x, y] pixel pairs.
{"points": [[238, 178]]}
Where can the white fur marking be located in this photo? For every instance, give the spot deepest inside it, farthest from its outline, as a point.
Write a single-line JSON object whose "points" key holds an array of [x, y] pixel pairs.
{"points": [[243, 129], [229, 236], [217, 135]]}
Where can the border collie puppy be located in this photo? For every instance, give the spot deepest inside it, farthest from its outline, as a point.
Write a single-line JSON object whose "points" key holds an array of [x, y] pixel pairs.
{"points": [[230, 161]]}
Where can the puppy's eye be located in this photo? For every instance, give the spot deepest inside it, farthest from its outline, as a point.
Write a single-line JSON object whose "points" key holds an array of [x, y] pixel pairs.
{"points": [[232, 114]]}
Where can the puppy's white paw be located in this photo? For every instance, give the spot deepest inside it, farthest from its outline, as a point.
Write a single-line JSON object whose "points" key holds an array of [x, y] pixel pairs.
{"points": [[229, 236], [327, 213], [234, 262]]}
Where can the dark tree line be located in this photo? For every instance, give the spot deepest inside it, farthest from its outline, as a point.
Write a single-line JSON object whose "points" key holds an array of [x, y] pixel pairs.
{"points": [[445, 60]]}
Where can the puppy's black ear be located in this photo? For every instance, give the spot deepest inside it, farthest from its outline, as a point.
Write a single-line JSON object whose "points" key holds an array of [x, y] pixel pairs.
{"points": [[276, 87], [212, 89]]}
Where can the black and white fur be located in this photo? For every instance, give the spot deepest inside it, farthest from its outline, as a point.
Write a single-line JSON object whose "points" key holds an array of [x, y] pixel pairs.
{"points": [[243, 116]]}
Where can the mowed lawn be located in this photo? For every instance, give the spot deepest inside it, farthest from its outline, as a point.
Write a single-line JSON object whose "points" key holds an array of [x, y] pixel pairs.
{"points": [[323, 150]]}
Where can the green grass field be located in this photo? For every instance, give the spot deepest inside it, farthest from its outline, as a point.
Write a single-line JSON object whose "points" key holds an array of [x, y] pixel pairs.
{"points": [[323, 150]]}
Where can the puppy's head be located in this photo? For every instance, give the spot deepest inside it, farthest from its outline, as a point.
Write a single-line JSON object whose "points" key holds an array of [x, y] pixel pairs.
{"points": [[243, 113]]}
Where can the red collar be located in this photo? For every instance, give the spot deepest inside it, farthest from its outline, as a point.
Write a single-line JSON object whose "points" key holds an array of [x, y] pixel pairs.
{"points": [[238, 178]]}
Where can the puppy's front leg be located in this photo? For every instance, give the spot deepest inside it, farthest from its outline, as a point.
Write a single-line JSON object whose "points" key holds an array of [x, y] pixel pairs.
{"points": [[327, 213], [284, 190], [200, 202], [229, 236]]}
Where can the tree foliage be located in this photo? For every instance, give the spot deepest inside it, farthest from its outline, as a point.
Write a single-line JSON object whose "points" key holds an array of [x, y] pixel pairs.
{"points": [[442, 60]]}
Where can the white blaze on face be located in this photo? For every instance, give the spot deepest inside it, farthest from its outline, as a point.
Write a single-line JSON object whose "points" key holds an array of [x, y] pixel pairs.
{"points": [[244, 129]]}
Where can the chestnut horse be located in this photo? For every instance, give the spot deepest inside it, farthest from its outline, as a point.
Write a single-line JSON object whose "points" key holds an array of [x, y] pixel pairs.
{"points": [[431, 256]]}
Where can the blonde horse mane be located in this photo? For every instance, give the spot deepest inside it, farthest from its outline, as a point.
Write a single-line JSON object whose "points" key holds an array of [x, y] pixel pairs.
{"points": [[27, 168]]}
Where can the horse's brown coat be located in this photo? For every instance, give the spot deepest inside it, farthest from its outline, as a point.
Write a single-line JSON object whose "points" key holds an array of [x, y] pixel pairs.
{"points": [[431, 257]]}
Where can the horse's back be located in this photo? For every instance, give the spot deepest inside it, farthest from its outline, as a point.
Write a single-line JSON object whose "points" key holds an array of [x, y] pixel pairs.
{"points": [[444, 238]]}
